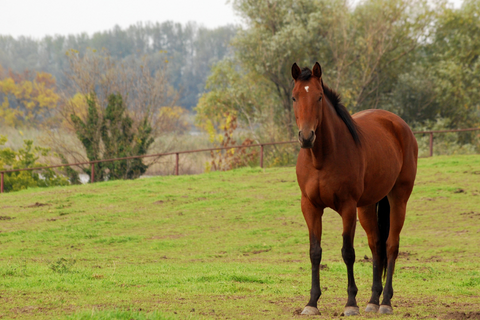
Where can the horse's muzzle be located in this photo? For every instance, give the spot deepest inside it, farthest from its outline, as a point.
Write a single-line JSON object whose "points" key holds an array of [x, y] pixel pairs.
{"points": [[306, 141]]}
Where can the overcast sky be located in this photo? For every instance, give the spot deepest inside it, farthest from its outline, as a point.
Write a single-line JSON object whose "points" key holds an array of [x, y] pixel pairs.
{"points": [[37, 18]]}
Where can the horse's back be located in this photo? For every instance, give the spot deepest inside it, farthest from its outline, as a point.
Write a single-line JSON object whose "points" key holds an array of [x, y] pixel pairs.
{"points": [[389, 150], [387, 127]]}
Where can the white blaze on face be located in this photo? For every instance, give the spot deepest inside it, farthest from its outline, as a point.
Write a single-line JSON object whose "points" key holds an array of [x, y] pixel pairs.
{"points": [[306, 88]]}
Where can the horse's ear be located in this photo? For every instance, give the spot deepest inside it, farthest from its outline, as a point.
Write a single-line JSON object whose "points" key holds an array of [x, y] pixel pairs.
{"points": [[296, 71], [317, 70]]}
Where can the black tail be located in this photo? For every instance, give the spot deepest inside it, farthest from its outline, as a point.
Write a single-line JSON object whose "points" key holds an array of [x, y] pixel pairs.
{"points": [[383, 218]]}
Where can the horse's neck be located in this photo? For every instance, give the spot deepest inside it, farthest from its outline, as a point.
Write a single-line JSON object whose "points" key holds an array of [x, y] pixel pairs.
{"points": [[331, 137]]}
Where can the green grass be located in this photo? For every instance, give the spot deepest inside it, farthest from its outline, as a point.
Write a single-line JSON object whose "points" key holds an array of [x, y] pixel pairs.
{"points": [[226, 245]]}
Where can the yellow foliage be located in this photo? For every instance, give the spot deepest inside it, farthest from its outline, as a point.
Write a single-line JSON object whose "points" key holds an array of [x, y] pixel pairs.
{"points": [[171, 119], [78, 105], [228, 124], [25, 100], [8, 115], [231, 157]]}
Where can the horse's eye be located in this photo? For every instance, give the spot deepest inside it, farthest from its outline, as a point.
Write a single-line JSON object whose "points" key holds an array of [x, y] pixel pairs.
{"points": [[293, 98]]}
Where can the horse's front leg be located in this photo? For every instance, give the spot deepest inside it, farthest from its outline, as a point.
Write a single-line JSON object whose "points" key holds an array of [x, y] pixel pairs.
{"points": [[349, 219], [313, 217]]}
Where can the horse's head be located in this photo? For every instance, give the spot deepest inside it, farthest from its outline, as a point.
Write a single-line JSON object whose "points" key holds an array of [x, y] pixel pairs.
{"points": [[307, 99]]}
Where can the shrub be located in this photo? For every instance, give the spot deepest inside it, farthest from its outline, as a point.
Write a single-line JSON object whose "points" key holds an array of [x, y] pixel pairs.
{"points": [[27, 157]]}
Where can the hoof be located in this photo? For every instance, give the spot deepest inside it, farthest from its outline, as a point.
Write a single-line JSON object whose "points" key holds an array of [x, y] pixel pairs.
{"points": [[384, 309], [372, 308], [351, 311], [310, 311]]}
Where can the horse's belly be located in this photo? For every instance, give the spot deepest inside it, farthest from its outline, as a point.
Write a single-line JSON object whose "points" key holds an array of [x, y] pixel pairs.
{"points": [[373, 194], [380, 176]]}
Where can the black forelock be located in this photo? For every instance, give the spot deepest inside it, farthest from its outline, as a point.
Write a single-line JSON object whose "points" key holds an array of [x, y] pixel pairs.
{"points": [[305, 75]]}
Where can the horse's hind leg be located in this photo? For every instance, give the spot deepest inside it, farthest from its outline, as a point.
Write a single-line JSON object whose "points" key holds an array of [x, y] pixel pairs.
{"points": [[349, 219], [397, 198], [368, 219]]}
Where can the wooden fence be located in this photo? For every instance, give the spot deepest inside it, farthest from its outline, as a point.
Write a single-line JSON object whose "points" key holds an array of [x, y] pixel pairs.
{"points": [[177, 155]]}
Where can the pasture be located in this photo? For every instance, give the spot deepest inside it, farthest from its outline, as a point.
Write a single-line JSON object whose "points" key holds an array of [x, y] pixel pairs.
{"points": [[228, 245]]}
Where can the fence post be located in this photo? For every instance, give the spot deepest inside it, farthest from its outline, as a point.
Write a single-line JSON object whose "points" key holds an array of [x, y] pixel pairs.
{"points": [[431, 144], [176, 163], [92, 174], [261, 156], [1, 183]]}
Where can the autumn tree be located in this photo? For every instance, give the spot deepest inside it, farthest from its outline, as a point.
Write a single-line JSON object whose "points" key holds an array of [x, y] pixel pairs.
{"points": [[26, 98], [190, 48]]}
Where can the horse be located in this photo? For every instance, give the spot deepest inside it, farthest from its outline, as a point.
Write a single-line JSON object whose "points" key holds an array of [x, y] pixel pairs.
{"points": [[365, 162]]}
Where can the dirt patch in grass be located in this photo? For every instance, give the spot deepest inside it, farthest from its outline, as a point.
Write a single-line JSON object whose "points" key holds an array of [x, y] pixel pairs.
{"points": [[260, 251], [461, 315], [29, 311], [297, 312], [37, 204], [365, 259], [6, 218], [170, 236], [471, 213]]}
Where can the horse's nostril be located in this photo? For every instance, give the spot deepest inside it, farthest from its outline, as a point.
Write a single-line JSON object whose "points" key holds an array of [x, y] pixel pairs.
{"points": [[312, 134], [299, 134]]}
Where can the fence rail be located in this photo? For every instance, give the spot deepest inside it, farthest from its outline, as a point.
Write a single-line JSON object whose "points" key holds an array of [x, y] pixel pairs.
{"points": [[177, 155]]}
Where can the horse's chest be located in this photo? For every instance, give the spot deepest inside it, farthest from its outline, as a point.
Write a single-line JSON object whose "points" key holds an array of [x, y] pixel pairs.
{"points": [[320, 190]]}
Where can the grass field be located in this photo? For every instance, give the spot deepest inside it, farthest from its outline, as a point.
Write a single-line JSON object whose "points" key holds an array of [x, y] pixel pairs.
{"points": [[227, 245]]}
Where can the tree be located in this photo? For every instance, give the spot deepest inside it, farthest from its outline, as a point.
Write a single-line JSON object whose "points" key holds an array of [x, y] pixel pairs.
{"points": [[115, 109], [455, 64], [439, 83], [250, 100], [117, 137], [246, 96], [370, 46], [190, 49], [277, 36], [25, 101], [363, 49]]}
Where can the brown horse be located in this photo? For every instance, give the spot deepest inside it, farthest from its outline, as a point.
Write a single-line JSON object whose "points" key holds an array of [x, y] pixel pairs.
{"points": [[369, 162]]}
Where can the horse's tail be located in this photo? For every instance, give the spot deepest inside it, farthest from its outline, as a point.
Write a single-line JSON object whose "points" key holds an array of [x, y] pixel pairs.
{"points": [[383, 218]]}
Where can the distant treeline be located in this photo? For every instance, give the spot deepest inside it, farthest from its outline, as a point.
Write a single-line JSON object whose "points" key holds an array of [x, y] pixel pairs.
{"points": [[190, 49]]}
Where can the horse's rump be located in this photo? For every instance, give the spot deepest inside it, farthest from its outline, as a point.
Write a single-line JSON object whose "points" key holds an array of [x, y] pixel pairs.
{"points": [[388, 148]]}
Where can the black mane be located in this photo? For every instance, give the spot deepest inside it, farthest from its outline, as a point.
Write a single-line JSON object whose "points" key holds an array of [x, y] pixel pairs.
{"points": [[334, 98]]}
